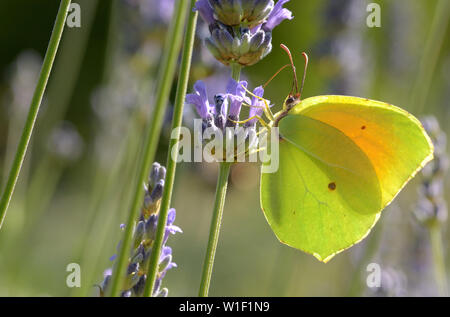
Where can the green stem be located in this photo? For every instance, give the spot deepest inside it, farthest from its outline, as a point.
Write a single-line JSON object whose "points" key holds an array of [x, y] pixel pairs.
{"points": [[438, 259], [433, 47], [221, 191], [165, 80], [236, 71], [173, 150], [34, 108]]}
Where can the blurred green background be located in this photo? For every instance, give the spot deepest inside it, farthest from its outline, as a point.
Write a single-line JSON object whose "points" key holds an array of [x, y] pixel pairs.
{"points": [[74, 190]]}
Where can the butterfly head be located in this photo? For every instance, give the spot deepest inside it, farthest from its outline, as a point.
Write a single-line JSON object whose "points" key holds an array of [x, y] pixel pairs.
{"points": [[291, 101], [295, 95]]}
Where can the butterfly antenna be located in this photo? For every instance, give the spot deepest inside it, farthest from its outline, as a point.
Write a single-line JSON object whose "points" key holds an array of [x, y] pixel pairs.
{"points": [[304, 73], [276, 74], [284, 47]]}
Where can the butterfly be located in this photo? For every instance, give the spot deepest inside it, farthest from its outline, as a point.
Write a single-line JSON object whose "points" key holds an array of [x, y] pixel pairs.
{"points": [[342, 160]]}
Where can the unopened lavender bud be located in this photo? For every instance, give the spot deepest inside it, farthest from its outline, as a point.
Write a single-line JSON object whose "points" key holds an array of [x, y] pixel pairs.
{"points": [[139, 254], [138, 289], [162, 173], [220, 121], [237, 12], [132, 275], [165, 262], [432, 208], [138, 258], [154, 172], [157, 192], [246, 49], [150, 227], [126, 294], [163, 293], [139, 233]]}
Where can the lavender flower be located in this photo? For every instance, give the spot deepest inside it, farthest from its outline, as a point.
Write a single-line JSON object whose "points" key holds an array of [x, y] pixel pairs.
{"points": [[432, 208], [241, 30], [143, 237], [222, 116]]}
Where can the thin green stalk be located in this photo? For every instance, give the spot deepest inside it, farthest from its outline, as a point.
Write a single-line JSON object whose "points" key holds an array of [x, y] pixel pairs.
{"points": [[438, 259], [433, 47], [221, 191], [236, 71], [165, 80], [34, 108], [185, 67], [47, 173]]}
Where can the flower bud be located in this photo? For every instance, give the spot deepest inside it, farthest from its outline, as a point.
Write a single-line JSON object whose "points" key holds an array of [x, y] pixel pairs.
{"points": [[246, 49], [241, 12]]}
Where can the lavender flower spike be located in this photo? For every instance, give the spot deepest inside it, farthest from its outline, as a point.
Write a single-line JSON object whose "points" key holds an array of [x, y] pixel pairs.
{"points": [[223, 118], [144, 236], [241, 30]]}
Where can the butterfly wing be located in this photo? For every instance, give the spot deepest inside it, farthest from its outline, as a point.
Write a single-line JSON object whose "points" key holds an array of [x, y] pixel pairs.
{"points": [[394, 140], [330, 188]]}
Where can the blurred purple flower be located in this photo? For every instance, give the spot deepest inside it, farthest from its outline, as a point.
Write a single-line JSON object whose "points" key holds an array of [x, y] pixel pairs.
{"points": [[144, 235]]}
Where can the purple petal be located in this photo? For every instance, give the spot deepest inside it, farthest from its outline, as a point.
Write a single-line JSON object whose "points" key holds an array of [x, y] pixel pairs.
{"points": [[107, 272], [174, 229], [171, 216], [278, 15], [236, 93], [258, 109], [199, 99], [205, 10], [166, 251]]}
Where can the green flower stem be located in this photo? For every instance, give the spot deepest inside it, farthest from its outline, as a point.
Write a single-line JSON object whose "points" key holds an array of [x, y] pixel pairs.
{"points": [[47, 173], [34, 108], [430, 56], [221, 191], [236, 71], [438, 259], [185, 68], [165, 80]]}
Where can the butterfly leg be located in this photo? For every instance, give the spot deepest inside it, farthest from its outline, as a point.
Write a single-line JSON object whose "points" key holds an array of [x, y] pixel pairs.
{"points": [[266, 107], [261, 120]]}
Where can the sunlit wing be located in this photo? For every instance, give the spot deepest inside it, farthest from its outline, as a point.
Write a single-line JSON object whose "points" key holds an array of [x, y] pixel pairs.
{"points": [[342, 160]]}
